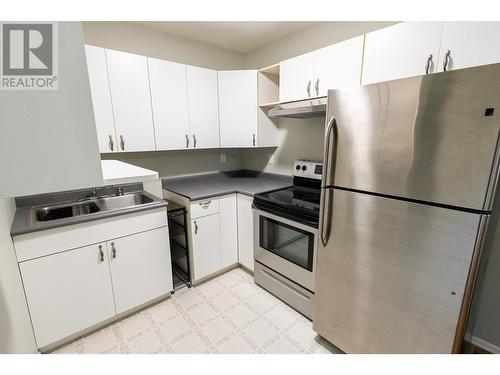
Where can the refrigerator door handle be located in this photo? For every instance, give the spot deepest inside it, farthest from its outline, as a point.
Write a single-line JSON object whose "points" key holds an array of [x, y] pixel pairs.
{"points": [[326, 216], [327, 161]]}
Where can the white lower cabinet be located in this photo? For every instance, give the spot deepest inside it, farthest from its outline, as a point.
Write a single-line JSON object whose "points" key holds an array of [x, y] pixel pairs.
{"points": [[221, 233], [140, 268], [245, 231], [76, 287], [205, 234], [228, 230], [68, 292]]}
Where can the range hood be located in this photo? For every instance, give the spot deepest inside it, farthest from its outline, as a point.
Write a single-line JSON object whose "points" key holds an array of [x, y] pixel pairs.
{"points": [[300, 109]]}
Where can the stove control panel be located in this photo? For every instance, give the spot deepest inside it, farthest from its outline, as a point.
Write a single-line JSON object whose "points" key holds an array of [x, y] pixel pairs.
{"points": [[308, 169]]}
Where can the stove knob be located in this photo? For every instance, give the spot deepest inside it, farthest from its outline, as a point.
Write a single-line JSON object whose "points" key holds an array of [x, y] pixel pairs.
{"points": [[297, 167], [304, 167]]}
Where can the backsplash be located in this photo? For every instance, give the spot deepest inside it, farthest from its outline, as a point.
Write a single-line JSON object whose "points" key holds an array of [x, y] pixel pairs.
{"points": [[182, 162], [297, 139]]}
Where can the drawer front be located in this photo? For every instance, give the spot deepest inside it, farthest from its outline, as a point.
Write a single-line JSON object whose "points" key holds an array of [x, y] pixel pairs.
{"points": [[204, 207], [51, 241], [286, 290]]}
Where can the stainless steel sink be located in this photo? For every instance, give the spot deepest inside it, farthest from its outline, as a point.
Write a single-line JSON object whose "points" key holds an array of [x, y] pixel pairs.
{"points": [[123, 201], [65, 210], [91, 206]]}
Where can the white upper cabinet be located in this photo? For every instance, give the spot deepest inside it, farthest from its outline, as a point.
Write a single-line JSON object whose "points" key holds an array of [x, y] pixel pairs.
{"points": [[312, 74], [203, 107], [403, 50], [470, 44], [296, 78], [338, 66], [238, 108], [129, 85], [170, 104], [101, 98]]}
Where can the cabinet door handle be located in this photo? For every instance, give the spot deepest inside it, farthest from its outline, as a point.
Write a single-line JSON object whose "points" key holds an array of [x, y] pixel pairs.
{"points": [[101, 254], [428, 64], [122, 143], [194, 140], [309, 88], [205, 204], [113, 250], [111, 143], [195, 227], [316, 86], [446, 60], [187, 141], [253, 140]]}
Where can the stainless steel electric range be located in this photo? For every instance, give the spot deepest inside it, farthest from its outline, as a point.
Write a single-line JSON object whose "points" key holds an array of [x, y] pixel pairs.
{"points": [[286, 237]]}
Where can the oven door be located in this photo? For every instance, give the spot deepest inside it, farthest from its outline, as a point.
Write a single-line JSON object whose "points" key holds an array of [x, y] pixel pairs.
{"points": [[286, 246]]}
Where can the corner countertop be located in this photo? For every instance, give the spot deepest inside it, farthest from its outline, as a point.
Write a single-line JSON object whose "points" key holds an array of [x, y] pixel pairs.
{"points": [[209, 185]]}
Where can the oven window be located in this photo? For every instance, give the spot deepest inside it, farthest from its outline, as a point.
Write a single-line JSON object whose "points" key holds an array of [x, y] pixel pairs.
{"points": [[293, 244]]}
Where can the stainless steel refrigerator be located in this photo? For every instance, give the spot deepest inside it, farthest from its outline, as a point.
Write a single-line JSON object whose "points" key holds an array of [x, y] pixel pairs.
{"points": [[410, 173]]}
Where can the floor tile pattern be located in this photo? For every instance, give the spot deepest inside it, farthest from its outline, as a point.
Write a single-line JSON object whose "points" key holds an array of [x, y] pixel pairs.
{"points": [[228, 314]]}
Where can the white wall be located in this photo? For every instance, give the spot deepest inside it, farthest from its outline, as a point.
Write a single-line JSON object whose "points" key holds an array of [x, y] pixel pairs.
{"points": [[136, 38], [308, 39], [297, 139], [16, 334], [48, 139], [176, 163]]}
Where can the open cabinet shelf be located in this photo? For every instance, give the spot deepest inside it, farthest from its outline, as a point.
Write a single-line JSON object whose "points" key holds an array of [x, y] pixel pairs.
{"points": [[268, 82]]}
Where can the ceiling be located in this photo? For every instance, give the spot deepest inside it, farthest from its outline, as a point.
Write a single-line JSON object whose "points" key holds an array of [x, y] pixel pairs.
{"points": [[241, 36]]}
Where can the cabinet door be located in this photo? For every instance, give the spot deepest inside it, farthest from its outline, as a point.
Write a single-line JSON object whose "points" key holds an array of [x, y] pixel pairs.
{"points": [[245, 231], [129, 83], [401, 51], [206, 245], [238, 108], [140, 268], [68, 292], [470, 44], [170, 104], [203, 107], [296, 78], [338, 66], [228, 230], [101, 98]]}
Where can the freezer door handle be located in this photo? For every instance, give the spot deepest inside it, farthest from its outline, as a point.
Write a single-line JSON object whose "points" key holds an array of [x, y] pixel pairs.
{"points": [[326, 218], [329, 157]]}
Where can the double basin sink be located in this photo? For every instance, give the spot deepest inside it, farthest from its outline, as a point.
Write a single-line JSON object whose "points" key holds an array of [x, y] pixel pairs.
{"points": [[91, 206]]}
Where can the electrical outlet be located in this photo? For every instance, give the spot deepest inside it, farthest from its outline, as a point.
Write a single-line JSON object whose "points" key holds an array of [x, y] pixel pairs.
{"points": [[271, 159], [222, 157]]}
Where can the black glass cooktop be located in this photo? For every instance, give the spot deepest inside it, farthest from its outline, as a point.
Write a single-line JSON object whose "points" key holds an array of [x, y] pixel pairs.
{"points": [[297, 203]]}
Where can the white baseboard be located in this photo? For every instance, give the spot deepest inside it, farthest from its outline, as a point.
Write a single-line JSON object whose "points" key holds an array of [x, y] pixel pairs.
{"points": [[482, 343]]}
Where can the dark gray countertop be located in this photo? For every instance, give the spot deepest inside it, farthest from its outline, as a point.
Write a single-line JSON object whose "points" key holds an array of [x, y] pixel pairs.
{"points": [[23, 223], [209, 185]]}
